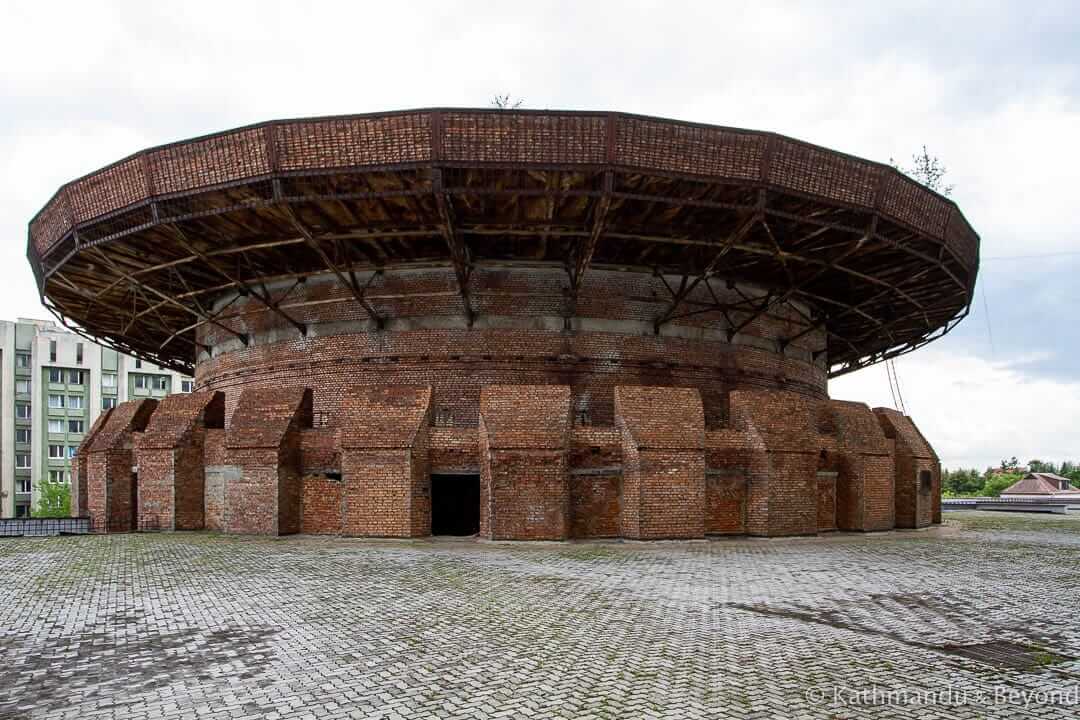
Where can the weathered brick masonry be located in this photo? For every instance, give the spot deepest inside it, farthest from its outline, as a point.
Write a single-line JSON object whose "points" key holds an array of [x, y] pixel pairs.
{"points": [[783, 464], [537, 324]]}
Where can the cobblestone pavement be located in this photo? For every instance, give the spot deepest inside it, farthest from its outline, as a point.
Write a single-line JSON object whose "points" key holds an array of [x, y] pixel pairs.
{"points": [[209, 626]]}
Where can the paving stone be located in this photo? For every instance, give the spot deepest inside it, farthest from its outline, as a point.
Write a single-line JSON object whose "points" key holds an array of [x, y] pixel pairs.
{"points": [[188, 626]]}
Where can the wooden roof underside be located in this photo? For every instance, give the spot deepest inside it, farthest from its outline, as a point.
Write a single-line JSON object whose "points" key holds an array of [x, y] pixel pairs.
{"points": [[144, 276]]}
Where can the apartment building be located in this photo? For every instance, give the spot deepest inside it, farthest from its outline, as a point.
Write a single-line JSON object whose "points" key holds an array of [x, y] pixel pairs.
{"points": [[53, 386]]}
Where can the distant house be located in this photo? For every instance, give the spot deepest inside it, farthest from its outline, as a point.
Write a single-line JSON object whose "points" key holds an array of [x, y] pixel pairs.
{"points": [[1042, 485]]}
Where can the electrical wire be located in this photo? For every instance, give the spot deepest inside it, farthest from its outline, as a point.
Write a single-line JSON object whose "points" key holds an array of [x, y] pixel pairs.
{"points": [[896, 379], [986, 312], [1063, 253], [892, 392]]}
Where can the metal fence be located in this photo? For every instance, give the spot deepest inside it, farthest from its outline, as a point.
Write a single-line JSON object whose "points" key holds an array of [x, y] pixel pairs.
{"points": [[1050, 505], [35, 527]]}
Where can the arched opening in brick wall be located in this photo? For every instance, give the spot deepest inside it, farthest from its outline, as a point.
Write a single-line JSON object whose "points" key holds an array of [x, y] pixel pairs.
{"points": [[455, 504]]}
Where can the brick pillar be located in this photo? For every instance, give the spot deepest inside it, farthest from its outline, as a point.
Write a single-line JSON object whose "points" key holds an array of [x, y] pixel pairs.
{"points": [[524, 440], [79, 466], [663, 437], [171, 461], [261, 469], [794, 429], [384, 463], [864, 485], [110, 458], [917, 502]]}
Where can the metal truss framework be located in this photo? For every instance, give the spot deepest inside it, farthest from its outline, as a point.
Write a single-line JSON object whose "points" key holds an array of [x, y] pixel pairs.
{"points": [[146, 280]]}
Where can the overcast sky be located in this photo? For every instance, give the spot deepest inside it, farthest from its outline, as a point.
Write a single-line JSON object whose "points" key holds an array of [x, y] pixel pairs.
{"points": [[993, 89]]}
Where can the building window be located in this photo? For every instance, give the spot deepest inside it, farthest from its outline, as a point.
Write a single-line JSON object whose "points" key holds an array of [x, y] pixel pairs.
{"points": [[75, 377], [924, 481], [23, 485], [56, 426], [52, 351], [56, 375], [107, 403], [22, 511], [75, 426], [75, 402], [138, 363], [72, 451], [22, 461], [187, 385], [142, 382], [56, 401], [22, 411], [22, 360], [78, 353], [22, 386], [161, 382], [58, 476], [108, 380], [22, 435], [56, 452]]}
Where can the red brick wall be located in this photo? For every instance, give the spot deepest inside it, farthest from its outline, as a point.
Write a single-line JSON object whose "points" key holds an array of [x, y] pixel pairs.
{"points": [[214, 447], [214, 506], [214, 493], [156, 507], [251, 498], [862, 456], [384, 439], [190, 486], [79, 497], [171, 460], [826, 503], [262, 449], [453, 448], [739, 449], [595, 481], [110, 458], [322, 506], [319, 450], [725, 503], [613, 344], [594, 505], [915, 507], [97, 491], [171, 488], [524, 434], [289, 489], [663, 439], [378, 492], [117, 512], [793, 493]]}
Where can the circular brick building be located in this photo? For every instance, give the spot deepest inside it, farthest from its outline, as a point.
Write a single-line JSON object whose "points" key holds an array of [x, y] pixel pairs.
{"points": [[526, 324]]}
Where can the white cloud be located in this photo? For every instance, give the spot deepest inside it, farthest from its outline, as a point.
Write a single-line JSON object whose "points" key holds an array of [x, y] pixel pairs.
{"points": [[991, 89], [974, 411]]}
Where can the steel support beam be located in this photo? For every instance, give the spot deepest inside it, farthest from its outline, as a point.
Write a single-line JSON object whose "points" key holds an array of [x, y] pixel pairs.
{"points": [[246, 288], [349, 281], [710, 269], [459, 251]]}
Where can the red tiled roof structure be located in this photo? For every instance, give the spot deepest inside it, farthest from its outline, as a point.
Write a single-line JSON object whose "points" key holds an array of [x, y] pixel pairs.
{"points": [[1040, 483]]}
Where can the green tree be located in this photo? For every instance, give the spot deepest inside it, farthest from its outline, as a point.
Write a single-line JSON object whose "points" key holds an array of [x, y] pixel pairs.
{"points": [[928, 170], [1040, 466], [508, 102], [54, 500], [961, 482], [994, 485]]}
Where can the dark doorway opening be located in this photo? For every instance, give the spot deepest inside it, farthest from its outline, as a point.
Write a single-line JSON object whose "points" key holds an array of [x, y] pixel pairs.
{"points": [[455, 504]]}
